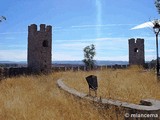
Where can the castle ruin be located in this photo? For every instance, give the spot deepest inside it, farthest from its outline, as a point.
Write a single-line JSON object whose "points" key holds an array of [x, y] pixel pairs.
{"points": [[39, 48], [136, 51]]}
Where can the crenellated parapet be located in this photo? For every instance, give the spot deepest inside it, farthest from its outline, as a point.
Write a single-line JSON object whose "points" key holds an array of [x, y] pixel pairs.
{"points": [[136, 41], [43, 28]]}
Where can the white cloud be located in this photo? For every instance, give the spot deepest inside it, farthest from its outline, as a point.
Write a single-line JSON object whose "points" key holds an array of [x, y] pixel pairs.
{"points": [[71, 41], [114, 58], [120, 39], [100, 43], [10, 38], [57, 27], [13, 55], [74, 45], [117, 39], [150, 51], [14, 33], [149, 57], [65, 56], [92, 27], [100, 25]]}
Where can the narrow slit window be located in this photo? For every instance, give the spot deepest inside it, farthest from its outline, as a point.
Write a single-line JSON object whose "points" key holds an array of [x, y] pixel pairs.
{"points": [[45, 43]]}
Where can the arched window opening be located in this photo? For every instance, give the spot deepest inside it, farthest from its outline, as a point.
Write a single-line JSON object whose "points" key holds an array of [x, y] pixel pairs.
{"points": [[136, 50], [45, 43]]}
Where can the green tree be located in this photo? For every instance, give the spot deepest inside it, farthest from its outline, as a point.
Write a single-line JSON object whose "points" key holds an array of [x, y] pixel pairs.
{"points": [[2, 18], [157, 4], [89, 53]]}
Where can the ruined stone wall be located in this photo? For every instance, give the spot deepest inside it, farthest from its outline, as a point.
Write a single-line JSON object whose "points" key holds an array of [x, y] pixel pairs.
{"points": [[39, 48], [136, 52], [12, 72], [83, 68]]}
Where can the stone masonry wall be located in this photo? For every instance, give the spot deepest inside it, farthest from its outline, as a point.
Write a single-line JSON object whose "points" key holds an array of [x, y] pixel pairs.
{"points": [[39, 48], [136, 51]]}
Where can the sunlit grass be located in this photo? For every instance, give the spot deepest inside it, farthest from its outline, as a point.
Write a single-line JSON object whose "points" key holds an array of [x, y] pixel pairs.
{"points": [[38, 98], [130, 85]]}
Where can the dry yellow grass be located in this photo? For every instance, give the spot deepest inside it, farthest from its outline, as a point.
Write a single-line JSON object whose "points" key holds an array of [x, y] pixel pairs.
{"points": [[38, 98], [131, 85]]}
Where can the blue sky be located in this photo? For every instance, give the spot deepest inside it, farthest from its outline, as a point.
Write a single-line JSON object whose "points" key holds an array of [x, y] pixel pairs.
{"points": [[77, 23]]}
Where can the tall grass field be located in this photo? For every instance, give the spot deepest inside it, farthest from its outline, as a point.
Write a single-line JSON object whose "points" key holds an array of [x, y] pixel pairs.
{"points": [[39, 98]]}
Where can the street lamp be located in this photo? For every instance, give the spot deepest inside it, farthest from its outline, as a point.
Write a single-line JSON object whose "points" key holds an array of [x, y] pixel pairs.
{"points": [[156, 28]]}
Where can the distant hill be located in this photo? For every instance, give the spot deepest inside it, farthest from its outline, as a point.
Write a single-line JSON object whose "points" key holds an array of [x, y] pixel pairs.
{"points": [[99, 62], [13, 62]]}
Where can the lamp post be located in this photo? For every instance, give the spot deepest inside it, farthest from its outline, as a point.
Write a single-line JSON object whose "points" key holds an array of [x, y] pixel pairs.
{"points": [[156, 28]]}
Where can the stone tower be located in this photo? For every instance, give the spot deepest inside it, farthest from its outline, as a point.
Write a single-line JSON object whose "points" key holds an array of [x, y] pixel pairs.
{"points": [[136, 51], [39, 48]]}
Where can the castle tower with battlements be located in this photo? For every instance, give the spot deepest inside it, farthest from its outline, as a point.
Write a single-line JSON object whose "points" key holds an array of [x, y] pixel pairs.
{"points": [[39, 48], [136, 51]]}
